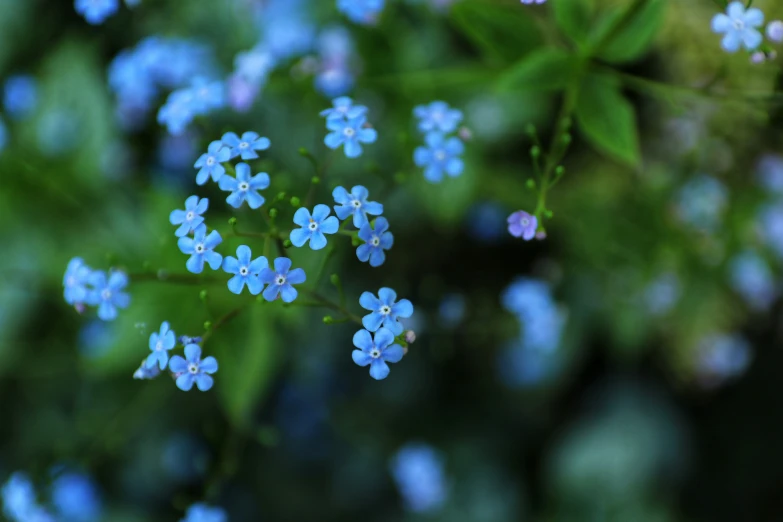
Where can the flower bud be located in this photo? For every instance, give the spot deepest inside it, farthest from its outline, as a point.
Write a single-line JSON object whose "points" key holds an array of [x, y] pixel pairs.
{"points": [[775, 31], [410, 337]]}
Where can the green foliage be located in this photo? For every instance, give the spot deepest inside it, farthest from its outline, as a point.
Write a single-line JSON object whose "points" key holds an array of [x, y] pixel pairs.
{"points": [[544, 69], [637, 33], [575, 19]]}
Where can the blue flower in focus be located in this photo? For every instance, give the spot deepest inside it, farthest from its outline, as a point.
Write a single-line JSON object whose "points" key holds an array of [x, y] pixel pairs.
{"points": [[280, 280], [752, 278], [343, 107], [143, 373], [190, 218], [75, 281], [246, 271], [314, 226], [419, 473], [355, 203], [376, 352], [246, 146], [350, 133], [201, 248], [192, 369], [204, 513], [437, 116], [375, 242], [20, 96], [75, 498], [738, 26], [107, 293], [440, 155], [244, 187], [385, 310], [701, 202], [361, 11], [211, 162], [96, 11], [160, 344], [18, 496]]}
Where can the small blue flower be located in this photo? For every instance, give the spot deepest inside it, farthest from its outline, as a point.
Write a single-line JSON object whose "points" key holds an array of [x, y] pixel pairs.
{"points": [[178, 111], [160, 344], [739, 27], [186, 339], [75, 498], [355, 203], [201, 248], [350, 133], [313, 227], [96, 11], [208, 95], [211, 162], [144, 374], [418, 470], [190, 218], [384, 310], [204, 513], [521, 224], [192, 369], [75, 281], [246, 271], [246, 146], [343, 107], [244, 187], [376, 352], [107, 293], [20, 96], [437, 116], [439, 156], [280, 280], [376, 241], [361, 11]]}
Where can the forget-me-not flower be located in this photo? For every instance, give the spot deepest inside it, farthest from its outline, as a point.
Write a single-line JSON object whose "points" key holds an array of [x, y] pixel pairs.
{"points": [[143, 373], [440, 155], [20, 96], [437, 116], [314, 226], [739, 27], [385, 310], [107, 293], [160, 344], [211, 162], [96, 11], [376, 241], [280, 280], [355, 202], [361, 11], [193, 369], [75, 281], [204, 513], [521, 224], [75, 497], [246, 146], [376, 352], [246, 271], [343, 107], [190, 218], [244, 187], [351, 133], [201, 248]]}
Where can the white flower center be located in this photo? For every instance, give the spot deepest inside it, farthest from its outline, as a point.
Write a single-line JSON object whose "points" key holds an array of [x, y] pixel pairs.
{"points": [[739, 24], [524, 222], [313, 226], [210, 161], [280, 281], [244, 145], [356, 203], [243, 271], [193, 368], [440, 155], [189, 216], [375, 241], [244, 186], [159, 346], [199, 248], [375, 353], [71, 281], [385, 310], [106, 294], [349, 132]]}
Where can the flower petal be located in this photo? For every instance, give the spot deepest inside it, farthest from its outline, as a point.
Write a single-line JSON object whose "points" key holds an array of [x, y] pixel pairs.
{"points": [[379, 369], [361, 358], [393, 353], [296, 276], [362, 339]]}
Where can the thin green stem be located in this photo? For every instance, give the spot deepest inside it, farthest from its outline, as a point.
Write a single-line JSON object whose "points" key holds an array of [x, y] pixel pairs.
{"points": [[328, 303]]}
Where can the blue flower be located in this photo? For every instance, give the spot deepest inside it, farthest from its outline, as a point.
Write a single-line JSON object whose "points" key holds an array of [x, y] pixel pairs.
{"points": [[437, 116], [246, 146], [75, 498], [143, 373], [542, 323], [418, 470], [739, 27], [246, 271], [254, 65], [244, 187], [18, 496], [3, 135], [107, 293], [75, 281], [201, 248], [521, 224], [385, 311], [361, 11], [376, 241], [208, 95], [721, 357], [770, 173], [178, 111], [96, 11], [280, 280], [376, 352], [350, 133], [211, 162], [752, 278], [20, 96], [160, 344], [343, 107], [203, 513], [313, 227], [192, 369], [190, 218], [355, 203], [439, 156]]}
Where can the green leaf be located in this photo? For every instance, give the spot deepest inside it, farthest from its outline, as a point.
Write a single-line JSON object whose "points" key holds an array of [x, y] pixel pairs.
{"points": [[574, 18], [607, 119], [541, 70], [637, 34]]}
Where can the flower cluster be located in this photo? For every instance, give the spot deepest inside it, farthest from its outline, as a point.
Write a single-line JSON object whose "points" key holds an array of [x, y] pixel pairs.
{"points": [[201, 97], [441, 154], [741, 27], [348, 126], [85, 286], [383, 320], [364, 12]]}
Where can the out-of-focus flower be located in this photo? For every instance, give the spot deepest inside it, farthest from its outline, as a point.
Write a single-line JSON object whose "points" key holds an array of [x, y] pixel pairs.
{"points": [[419, 472]]}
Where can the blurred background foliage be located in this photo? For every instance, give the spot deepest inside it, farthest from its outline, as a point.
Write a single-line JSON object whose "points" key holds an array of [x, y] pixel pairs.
{"points": [[654, 395]]}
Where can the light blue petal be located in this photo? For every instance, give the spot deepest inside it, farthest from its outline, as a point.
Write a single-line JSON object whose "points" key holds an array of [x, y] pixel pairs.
{"points": [[208, 365], [202, 206], [363, 252], [402, 308], [107, 311], [235, 199], [185, 381], [751, 39], [177, 217], [735, 10], [333, 140], [368, 301], [243, 255], [371, 207], [177, 364], [352, 148], [258, 264], [260, 181], [330, 225], [362, 339], [754, 17], [185, 245], [379, 369], [387, 241], [343, 211], [213, 239], [317, 240], [302, 217], [296, 276], [243, 172], [383, 338], [433, 174], [367, 135], [236, 284], [228, 183], [271, 291], [204, 382], [195, 264], [372, 321], [299, 236], [213, 259], [393, 353], [254, 284], [340, 195], [387, 296], [254, 199], [454, 167], [288, 293], [731, 42], [361, 358], [230, 265], [320, 212], [192, 352], [282, 265], [377, 257], [422, 156]]}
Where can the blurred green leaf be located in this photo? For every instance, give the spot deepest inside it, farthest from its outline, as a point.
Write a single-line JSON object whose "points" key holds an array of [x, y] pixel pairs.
{"points": [[607, 119], [574, 18], [541, 70], [637, 33]]}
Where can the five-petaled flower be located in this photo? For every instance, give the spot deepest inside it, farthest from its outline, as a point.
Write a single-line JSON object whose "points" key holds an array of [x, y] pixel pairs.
{"points": [[246, 271], [246, 146], [160, 344], [75, 281], [439, 156], [280, 280], [211, 162], [193, 369], [376, 241], [384, 310], [314, 226], [107, 293], [521, 224], [201, 248], [355, 202], [376, 352], [190, 218], [739, 27], [437, 116], [343, 107], [350, 133], [244, 187]]}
